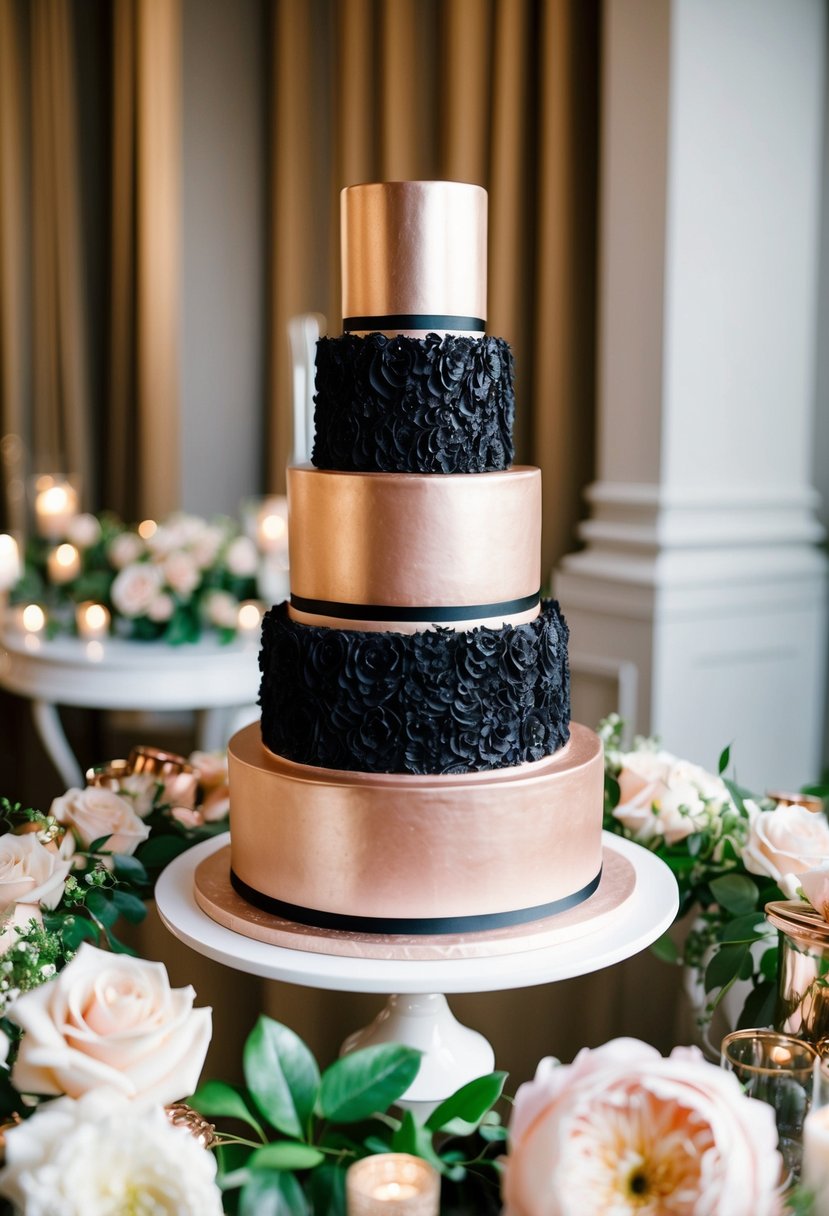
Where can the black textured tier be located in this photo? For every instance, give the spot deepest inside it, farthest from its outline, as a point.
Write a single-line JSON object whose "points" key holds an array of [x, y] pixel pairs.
{"points": [[413, 405], [433, 702]]}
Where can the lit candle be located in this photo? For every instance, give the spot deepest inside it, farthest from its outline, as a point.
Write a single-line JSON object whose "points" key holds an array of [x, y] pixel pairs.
{"points": [[272, 525], [33, 618], [815, 1173], [249, 617], [92, 620], [63, 564], [392, 1184], [9, 562], [56, 502]]}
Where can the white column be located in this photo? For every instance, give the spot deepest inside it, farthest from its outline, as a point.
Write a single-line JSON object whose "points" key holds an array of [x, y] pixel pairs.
{"points": [[699, 601]]}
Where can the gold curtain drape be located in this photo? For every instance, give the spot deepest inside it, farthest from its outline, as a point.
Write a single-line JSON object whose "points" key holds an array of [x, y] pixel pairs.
{"points": [[498, 92]]}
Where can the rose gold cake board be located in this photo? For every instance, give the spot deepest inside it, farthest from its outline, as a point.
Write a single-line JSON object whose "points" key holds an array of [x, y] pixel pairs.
{"points": [[218, 900]]}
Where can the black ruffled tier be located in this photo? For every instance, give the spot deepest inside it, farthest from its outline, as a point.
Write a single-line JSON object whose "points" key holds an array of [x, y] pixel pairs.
{"points": [[414, 405], [433, 702]]}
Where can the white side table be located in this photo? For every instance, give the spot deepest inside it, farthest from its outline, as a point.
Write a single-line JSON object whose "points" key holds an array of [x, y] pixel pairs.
{"points": [[220, 682]]}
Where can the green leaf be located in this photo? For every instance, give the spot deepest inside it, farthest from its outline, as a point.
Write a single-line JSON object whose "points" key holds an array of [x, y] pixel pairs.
{"points": [[726, 962], [367, 1080], [129, 869], [495, 1135], [282, 1076], [665, 949], [161, 849], [272, 1193], [759, 1007], [768, 964], [77, 929], [218, 1099], [612, 791], [747, 928], [286, 1155], [405, 1138], [725, 760], [327, 1190], [102, 908], [129, 906], [734, 892], [469, 1103]]}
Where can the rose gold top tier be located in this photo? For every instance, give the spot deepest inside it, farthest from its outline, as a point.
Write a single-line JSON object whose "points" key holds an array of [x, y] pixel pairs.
{"points": [[414, 257]]}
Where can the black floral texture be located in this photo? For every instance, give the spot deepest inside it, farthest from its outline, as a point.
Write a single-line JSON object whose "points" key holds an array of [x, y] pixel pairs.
{"points": [[434, 702], [413, 405]]}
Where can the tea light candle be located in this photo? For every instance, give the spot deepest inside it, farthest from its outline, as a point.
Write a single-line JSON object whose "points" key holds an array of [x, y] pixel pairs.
{"points": [[33, 618], [56, 501], [63, 564], [392, 1184], [249, 617], [272, 525], [9, 562], [92, 620]]}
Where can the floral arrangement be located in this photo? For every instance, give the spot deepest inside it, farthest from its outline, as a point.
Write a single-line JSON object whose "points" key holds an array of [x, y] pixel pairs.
{"points": [[731, 853], [69, 876], [159, 581]]}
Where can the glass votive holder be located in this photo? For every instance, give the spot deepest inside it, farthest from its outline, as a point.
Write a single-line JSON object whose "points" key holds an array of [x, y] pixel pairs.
{"points": [[777, 1069], [802, 1007], [392, 1184]]}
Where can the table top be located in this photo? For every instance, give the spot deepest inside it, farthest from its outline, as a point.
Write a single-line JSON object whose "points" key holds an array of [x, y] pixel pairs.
{"points": [[116, 673], [646, 915]]}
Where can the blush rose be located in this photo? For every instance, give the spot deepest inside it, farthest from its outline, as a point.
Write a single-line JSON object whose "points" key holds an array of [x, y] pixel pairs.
{"points": [[96, 812], [30, 873], [624, 1130], [787, 840], [110, 1020]]}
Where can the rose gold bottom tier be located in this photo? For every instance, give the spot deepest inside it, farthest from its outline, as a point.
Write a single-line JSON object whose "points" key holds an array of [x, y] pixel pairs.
{"points": [[389, 852]]}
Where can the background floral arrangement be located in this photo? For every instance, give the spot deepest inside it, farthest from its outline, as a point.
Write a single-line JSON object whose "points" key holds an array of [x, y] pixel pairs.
{"points": [[167, 581], [731, 852]]}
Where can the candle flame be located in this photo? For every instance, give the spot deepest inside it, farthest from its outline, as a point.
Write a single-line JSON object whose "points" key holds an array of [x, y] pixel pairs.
{"points": [[34, 618], [66, 555], [147, 528]]}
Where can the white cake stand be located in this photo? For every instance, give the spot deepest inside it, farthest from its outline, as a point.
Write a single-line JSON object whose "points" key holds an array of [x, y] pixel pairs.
{"points": [[418, 1013]]}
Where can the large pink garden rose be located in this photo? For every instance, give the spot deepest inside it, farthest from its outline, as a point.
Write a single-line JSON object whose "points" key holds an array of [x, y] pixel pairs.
{"points": [[110, 1020], [624, 1130], [95, 812]]}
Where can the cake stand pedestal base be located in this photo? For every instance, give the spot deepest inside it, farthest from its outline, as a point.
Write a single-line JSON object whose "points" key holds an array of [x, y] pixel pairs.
{"points": [[453, 1054]]}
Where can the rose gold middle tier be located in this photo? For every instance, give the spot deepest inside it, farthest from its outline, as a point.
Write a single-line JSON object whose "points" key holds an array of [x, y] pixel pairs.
{"points": [[456, 550], [321, 846]]}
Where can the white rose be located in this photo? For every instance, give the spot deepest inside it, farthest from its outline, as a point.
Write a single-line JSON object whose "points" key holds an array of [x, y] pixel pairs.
{"points": [[622, 1130], [661, 796], [242, 558], [83, 531], [787, 840], [110, 1020], [205, 547], [222, 609], [815, 886], [30, 873], [102, 1155], [139, 790], [124, 549], [18, 916], [96, 812], [162, 608], [135, 587], [181, 572]]}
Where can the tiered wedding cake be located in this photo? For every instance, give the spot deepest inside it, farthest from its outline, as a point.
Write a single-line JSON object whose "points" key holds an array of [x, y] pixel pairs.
{"points": [[417, 772]]}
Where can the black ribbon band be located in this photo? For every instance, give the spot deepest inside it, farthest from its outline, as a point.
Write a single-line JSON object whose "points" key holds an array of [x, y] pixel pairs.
{"points": [[422, 926], [414, 320], [393, 612]]}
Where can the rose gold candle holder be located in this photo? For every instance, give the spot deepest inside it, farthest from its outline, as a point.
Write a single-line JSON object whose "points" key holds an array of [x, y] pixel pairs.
{"points": [[179, 777], [109, 776], [783, 798], [802, 970], [392, 1184]]}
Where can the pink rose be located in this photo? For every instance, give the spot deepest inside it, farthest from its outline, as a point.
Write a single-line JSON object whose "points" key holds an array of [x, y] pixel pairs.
{"points": [[662, 796], [96, 812], [181, 572], [30, 873], [242, 558], [135, 588], [211, 768], [623, 1129], [110, 1020], [815, 885], [124, 549], [787, 840]]}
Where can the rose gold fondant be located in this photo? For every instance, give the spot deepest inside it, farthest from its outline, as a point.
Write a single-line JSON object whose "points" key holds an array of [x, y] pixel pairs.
{"points": [[414, 538], [217, 898], [414, 247], [487, 622], [397, 845]]}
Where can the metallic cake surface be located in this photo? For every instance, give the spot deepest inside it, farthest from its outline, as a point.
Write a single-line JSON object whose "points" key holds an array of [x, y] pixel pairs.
{"points": [[401, 846]]}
